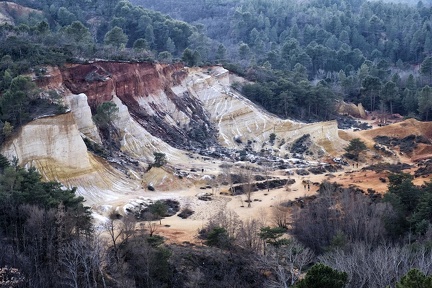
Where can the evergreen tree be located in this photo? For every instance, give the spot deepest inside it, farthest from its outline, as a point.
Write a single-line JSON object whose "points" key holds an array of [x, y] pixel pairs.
{"points": [[415, 279], [322, 276], [426, 68], [116, 37]]}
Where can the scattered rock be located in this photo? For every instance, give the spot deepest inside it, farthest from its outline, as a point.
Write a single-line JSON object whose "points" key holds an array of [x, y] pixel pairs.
{"points": [[317, 170], [205, 197], [186, 213], [406, 144], [302, 172], [393, 168]]}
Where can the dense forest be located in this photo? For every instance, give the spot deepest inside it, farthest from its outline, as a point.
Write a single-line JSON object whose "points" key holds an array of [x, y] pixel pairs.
{"points": [[307, 54], [302, 56]]}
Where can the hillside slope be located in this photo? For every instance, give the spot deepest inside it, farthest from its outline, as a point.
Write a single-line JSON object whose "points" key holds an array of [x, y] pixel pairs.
{"points": [[162, 108]]}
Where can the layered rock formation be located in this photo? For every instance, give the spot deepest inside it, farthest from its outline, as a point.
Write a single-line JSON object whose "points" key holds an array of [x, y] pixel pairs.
{"points": [[145, 88], [351, 109], [239, 121], [162, 108]]}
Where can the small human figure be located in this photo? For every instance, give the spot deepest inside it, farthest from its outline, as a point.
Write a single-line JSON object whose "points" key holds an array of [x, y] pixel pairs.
{"points": [[357, 164], [308, 187], [304, 186], [353, 165]]}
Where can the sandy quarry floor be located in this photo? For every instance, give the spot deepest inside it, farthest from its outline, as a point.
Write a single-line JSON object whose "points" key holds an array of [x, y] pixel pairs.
{"points": [[178, 230]]}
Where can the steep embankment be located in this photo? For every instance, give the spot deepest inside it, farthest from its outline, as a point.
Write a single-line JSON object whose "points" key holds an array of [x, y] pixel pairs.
{"points": [[162, 108], [145, 89], [239, 121]]}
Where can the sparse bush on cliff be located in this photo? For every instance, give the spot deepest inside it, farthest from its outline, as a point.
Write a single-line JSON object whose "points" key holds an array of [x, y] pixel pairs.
{"points": [[159, 159]]}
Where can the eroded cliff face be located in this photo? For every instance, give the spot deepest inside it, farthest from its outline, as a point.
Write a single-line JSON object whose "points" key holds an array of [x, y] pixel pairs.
{"points": [[53, 144], [239, 121], [188, 108], [146, 89], [351, 109], [162, 108]]}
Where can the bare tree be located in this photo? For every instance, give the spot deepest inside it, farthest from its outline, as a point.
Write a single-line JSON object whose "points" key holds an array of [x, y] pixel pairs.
{"points": [[286, 263], [151, 227], [227, 219], [248, 235], [280, 214], [266, 165], [128, 223], [340, 213], [227, 176], [80, 261], [247, 178], [379, 266], [115, 229]]}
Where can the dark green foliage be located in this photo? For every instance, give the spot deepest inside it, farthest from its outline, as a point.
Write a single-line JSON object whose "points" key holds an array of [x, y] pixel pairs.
{"points": [[426, 68], [20, 103], [14, 103], [300, 145], [258, 36], [412, 206], [354, 148], [415, 279], [78, 32], [116, 37], [272, 236], [4, 162], [322, 276], [36, 219], [95, 148], [140, 43], [159, 159], [218, 237], [272, 138], [425, 101], [158, 210], [191, 58], [106, 113]]}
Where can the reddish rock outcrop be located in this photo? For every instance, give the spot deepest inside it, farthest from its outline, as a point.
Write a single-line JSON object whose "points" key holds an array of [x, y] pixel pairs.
{"points": [[146, 90], [101, 80]]}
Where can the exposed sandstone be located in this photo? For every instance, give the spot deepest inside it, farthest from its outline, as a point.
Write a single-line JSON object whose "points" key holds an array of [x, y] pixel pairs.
{"points": [[351, 109], [83, 116], [52, 144], [238, 118], [145, 88], [161, 108]]}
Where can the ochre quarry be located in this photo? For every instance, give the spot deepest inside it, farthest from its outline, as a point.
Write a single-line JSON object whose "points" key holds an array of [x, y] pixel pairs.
{"points": [[179, 111]]}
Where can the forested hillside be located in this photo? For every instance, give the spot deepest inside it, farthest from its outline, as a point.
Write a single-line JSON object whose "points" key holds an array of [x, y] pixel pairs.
{"points": [[304, 56], [309, 52]]}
